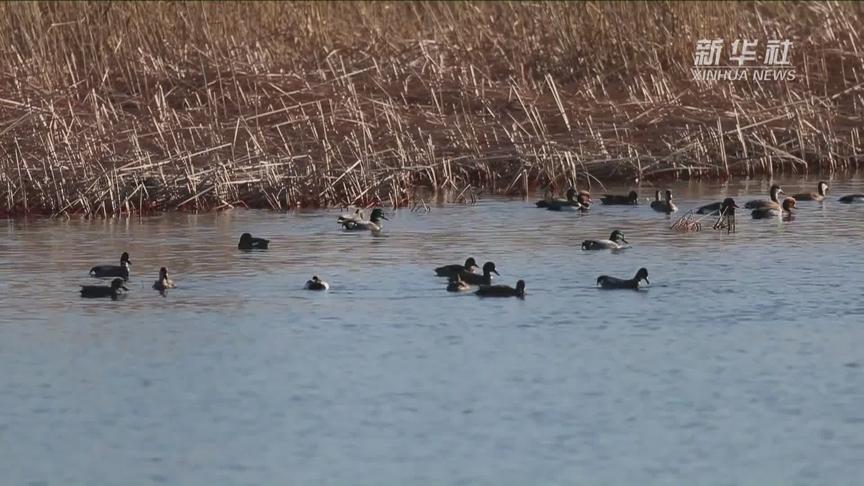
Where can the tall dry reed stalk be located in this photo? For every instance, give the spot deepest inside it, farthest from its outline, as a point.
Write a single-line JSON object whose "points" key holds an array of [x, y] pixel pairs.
{"points": [[113, 108]]}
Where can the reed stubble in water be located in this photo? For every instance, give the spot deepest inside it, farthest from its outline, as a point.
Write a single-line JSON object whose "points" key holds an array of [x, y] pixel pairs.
{"points": [[110, 109]]}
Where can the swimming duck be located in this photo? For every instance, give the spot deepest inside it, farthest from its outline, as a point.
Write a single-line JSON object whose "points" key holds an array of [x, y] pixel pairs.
{"points": [[458, 285], [163, 283], [818, 196], [786, 209], [98, 291], [575, 200], [852, 198], [453, 270], [474, 279], [774, 193], [726, 215], [607, 282], [717, 207], [502, 290], [247, 242], [546, 201], [356, 216], [121, 271], [613, 243], [728, 206], [663, 206], [629, 199], [374, 223], [316, 284]]}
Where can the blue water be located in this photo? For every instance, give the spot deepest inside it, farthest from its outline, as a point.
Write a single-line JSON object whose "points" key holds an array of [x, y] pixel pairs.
{"points": [[741, 362]]}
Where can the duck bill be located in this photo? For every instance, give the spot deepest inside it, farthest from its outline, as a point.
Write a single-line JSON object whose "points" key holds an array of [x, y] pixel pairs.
{"points": [[385, 217], [646, 280], [496, 272], [625, 241], [124, 288]]}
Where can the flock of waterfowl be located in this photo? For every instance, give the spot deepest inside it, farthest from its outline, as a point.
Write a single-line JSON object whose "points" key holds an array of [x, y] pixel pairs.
{"points": [[464, 277], [120, 273]]}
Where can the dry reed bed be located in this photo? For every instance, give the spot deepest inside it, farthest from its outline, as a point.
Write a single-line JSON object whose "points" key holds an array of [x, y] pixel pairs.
{"points": [[115, 108]]}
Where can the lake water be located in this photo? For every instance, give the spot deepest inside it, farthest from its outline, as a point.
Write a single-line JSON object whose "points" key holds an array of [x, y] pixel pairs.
{"points": [[742, 362]]}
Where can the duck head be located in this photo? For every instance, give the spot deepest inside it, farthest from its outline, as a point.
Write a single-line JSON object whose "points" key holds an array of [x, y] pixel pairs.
{"points": [[117, 284], [470, 264], [245, 238], [775, 192], [668, 195], [584, 198], [124, 259], [642, 274], [163, 273], [823, 188], [377, 215], [520, 288], [789, 204], [617, 236], [633, 196], [658, 195], [571, 194], [728, 205], [489, 268]]}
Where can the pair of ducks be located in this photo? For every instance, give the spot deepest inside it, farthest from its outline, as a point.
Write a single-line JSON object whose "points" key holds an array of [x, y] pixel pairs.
{"points": [[575, 200], [822, 192], [765, 209], [355, 222], [248, 242], [662, 201], [121, 272], [462, 278], [351, 222], [616, 241]]}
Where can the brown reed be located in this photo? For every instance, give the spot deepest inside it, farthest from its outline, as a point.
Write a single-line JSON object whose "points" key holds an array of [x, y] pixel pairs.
{"points": [[115, 108]]}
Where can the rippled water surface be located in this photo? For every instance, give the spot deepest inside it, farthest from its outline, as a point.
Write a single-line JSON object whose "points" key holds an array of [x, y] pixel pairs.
{"points": [[742, 362]]}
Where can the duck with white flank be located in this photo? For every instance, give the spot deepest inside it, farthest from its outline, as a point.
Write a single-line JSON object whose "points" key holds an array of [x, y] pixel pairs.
{"points": [[616, 241], [458, 285], [316, 284], [163, 283], [374, 224]]}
